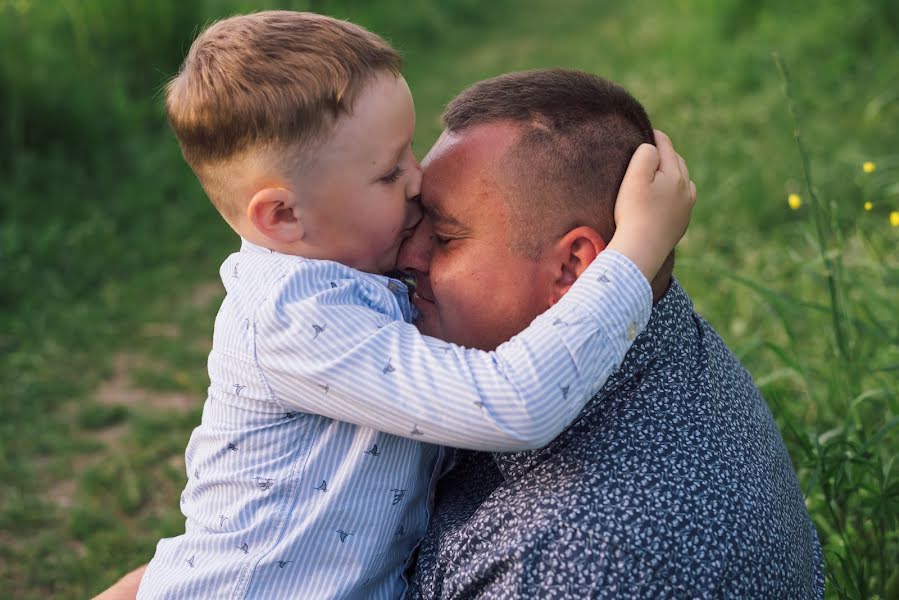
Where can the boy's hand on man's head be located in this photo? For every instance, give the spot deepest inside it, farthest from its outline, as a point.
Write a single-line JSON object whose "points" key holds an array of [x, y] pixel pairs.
{"points": [[654, 205]]}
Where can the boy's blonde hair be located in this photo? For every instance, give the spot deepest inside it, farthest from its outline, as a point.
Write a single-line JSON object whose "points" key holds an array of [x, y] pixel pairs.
{"points": [[273, 80]]}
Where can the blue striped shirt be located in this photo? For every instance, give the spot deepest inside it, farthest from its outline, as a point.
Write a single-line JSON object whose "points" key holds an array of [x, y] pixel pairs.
{"points": [[311, 473]]}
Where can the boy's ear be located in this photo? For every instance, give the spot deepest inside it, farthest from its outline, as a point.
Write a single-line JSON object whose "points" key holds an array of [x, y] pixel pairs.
{"points": [[570, 256], [275, 213]]}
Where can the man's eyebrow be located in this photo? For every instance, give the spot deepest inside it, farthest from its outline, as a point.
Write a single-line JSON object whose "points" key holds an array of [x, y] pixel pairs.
{"points": [[439, 217]]}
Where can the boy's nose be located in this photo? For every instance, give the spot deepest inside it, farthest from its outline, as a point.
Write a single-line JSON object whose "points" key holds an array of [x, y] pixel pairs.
{"points": [[413, 187]]}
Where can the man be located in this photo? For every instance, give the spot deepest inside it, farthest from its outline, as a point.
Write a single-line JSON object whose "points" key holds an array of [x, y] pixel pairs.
{"points": [[674, 481]]}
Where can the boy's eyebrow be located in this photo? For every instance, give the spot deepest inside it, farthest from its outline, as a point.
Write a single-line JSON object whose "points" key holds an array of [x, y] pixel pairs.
{"points": [[442, 218], [394, 158], [402, 148]]}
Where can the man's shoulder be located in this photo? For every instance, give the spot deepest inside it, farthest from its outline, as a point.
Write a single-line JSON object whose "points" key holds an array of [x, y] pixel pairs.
{"points": [[675, 475]]}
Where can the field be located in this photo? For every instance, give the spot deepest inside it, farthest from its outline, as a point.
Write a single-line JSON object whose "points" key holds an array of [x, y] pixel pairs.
{"points": [[109, 252]]}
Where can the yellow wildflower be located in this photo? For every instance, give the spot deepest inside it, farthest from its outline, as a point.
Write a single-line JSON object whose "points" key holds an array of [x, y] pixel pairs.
{"points": [[794, 201], [21, 6], [869, 205], [868, 166], [894, 218]]}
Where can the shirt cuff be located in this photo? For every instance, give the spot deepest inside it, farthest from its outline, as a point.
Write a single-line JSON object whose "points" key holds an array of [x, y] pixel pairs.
{"points": [[627, 295]]}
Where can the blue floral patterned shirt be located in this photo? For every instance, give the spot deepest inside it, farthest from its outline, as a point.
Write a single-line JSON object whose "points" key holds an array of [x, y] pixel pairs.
{"points": [[672, 483]]}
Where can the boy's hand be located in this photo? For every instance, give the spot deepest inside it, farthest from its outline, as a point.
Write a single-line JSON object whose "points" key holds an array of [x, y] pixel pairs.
{"points": [[653, 206]]}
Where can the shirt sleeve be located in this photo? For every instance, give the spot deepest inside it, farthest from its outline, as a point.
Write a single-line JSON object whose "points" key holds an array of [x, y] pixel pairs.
{"points": [[343, 354]]}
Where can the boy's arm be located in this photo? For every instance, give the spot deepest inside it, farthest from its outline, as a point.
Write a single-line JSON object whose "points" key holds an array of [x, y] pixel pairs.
{"points": [[361, 367], [358, 366]]}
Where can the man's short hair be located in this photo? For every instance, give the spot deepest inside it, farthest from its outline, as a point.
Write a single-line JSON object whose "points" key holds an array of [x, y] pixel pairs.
{"points": [[276, 80], [577, 134]]}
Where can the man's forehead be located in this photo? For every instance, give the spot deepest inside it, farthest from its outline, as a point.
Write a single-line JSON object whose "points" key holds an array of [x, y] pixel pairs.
{"points": [[436, 175], [446, 141], [461, 165], [477, 142]]}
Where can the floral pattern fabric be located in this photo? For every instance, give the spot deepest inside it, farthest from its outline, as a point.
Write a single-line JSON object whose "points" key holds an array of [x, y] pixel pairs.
{"points": [[673, 483]]}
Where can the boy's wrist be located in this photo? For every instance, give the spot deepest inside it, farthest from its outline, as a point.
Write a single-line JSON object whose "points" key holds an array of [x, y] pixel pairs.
{"points": [[633, 291], [642, 250]]}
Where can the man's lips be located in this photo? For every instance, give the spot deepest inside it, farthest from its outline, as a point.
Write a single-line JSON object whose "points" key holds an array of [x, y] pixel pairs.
{"points": [[418, 297], [423, 289]]}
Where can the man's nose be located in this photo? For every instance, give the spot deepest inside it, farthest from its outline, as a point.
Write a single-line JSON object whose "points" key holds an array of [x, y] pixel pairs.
{"points": [[413, 212], [415, 253]]}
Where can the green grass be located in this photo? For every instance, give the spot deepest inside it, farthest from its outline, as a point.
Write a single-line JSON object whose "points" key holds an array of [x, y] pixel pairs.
{"points": [[110, 252]]}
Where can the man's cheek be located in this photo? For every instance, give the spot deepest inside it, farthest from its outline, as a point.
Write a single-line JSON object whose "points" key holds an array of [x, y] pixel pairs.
{"points": [[426, 327], [467, 321]]}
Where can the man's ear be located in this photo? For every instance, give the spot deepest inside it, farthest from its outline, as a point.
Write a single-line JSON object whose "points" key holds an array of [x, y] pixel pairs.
{"points": [[571, 255], [275, 213]]}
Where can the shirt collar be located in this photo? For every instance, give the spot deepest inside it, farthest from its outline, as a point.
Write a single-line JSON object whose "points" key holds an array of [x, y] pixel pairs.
{"points": [[395, 281], [248, 246], [669, 325]]}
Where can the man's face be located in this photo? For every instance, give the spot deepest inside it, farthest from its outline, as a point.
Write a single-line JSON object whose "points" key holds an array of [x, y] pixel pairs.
{"points": [[472, 289]]}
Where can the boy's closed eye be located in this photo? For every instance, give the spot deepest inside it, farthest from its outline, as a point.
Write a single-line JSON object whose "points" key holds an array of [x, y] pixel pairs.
{"points": [[393, 176]]}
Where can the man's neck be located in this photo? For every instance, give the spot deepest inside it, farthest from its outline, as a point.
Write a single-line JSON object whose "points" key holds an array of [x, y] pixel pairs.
{"points": [[660, 287]]}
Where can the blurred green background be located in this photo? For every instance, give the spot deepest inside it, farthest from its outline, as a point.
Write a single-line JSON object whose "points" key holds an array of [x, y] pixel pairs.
{"points": [[109, 251]]}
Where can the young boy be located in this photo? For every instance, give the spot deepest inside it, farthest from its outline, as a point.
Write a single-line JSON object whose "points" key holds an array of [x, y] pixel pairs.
{"points": [[311, 472]]}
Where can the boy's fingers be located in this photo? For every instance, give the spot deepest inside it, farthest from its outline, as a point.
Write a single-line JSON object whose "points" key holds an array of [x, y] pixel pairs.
{"points": [[682, 165], [667, 155], [692, 192], [644, 163]]}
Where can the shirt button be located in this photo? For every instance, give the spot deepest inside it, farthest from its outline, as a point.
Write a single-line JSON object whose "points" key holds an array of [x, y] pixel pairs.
{"points": [[393, 287], [631, 331]]}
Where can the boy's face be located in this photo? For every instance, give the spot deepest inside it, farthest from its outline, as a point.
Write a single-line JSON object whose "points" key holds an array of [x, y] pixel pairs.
{"points": [[361, 187]]}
